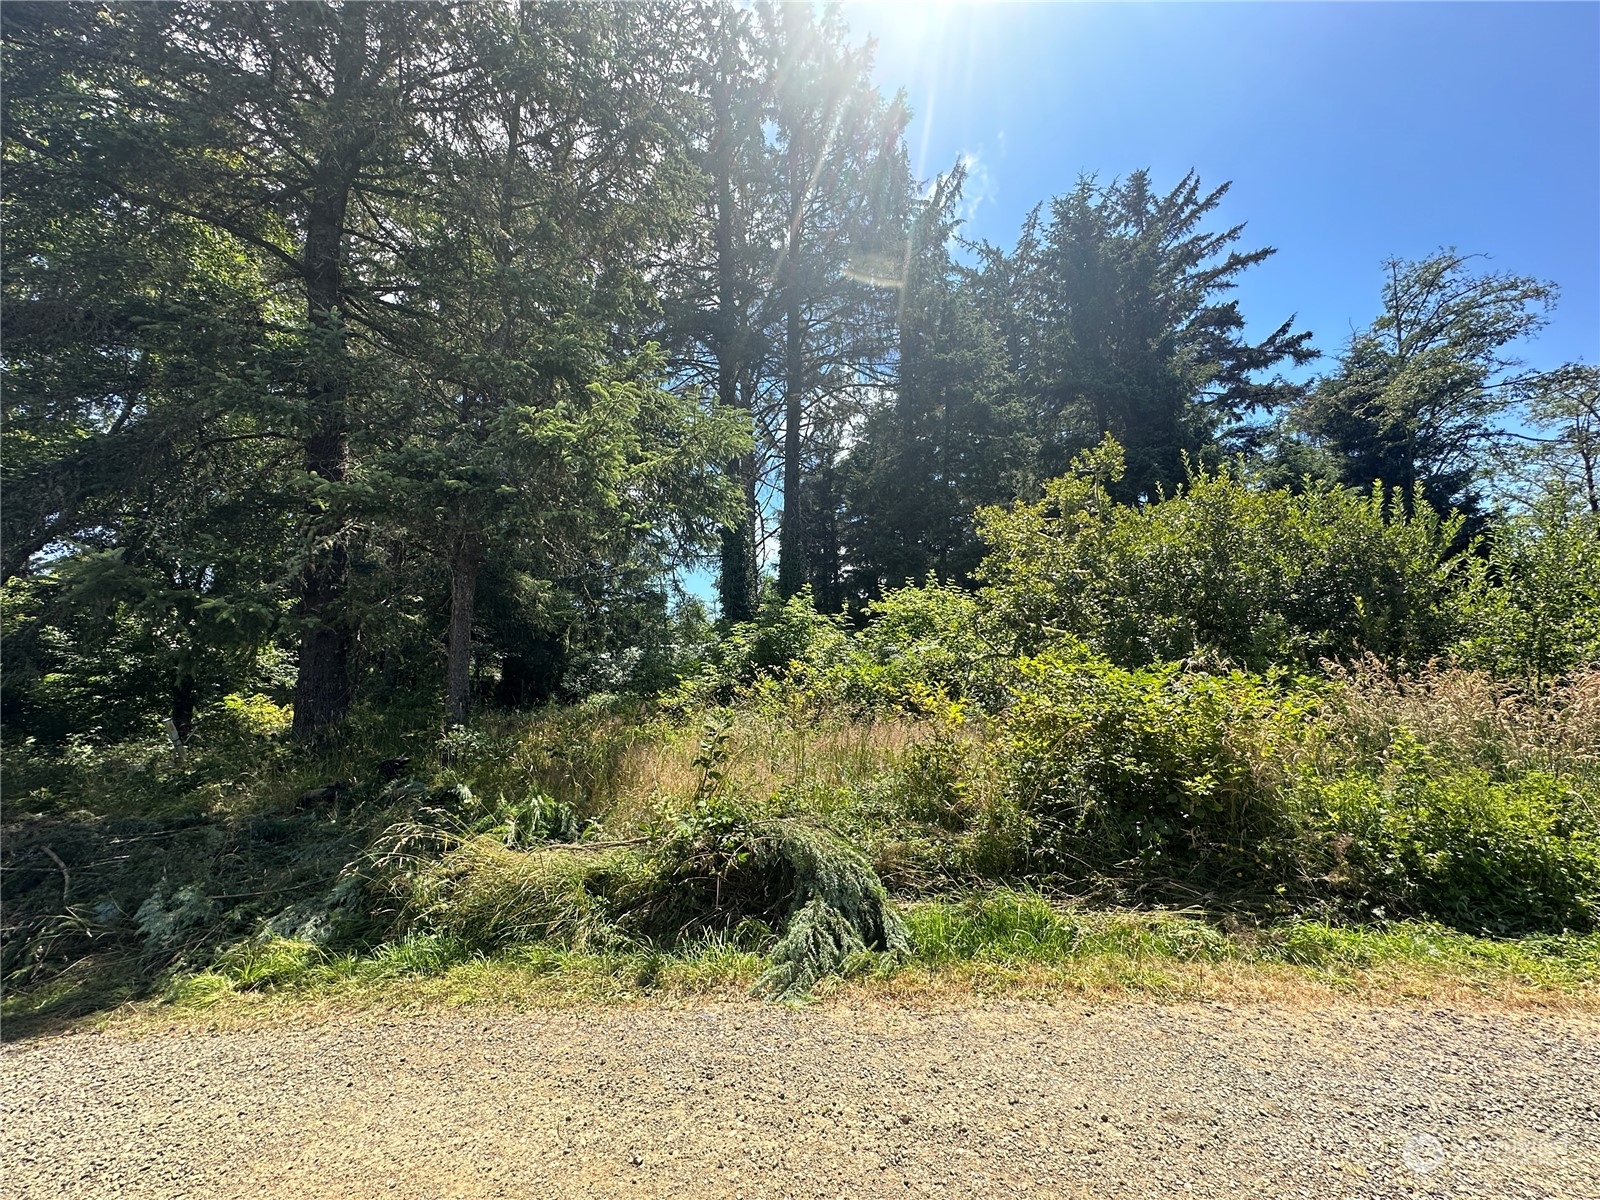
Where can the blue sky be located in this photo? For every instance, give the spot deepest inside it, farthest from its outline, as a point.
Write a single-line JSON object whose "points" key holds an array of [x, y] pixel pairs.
{"points": [[1351, 132]]}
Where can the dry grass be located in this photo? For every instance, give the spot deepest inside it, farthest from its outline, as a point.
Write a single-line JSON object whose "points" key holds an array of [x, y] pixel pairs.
{"points": [[759, 756], [522, 984], [1469, 718], [1110, 979]]}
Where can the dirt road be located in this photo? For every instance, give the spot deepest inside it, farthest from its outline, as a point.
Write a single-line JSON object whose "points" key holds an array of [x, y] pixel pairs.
{"points": [[759, 1101]]}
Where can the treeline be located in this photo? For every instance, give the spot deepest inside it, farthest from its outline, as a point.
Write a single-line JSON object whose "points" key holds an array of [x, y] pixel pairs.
{"points": [[384, 351]]}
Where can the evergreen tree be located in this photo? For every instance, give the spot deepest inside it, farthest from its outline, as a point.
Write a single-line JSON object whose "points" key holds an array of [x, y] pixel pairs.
{"points": [[718, 307], [290, 128], [136, 336], [397, 257], [776, 301], [1565, 409], [1417, 398], [946, 440], [143, 455], [844, 188], [540, 435], [1117, 325]]}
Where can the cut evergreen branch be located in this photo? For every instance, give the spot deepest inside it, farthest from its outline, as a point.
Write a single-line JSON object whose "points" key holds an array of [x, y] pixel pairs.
{"points": [[840, 908]]}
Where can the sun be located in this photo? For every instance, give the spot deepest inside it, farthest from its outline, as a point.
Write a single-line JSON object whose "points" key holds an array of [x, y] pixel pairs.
{"points": [[905, 22]]}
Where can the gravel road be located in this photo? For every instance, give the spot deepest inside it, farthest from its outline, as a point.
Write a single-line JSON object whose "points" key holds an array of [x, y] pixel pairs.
{"points": [[763, 1101]]}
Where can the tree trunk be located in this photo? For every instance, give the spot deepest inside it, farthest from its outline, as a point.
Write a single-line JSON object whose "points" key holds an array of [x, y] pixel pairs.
{"points": [[739, 579], [1591, 487], [824, 557], [183, 701], [322, 688], [791, 537], [465, 560]]}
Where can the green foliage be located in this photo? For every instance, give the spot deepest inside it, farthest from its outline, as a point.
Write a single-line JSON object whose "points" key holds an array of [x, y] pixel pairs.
{"points": [[485, 895], [1565, 409], [1459, 847], [783, 870], [1416, 398], [1455, 796], [838, 908], [1262, 577], [266, 964], [1113, 307], [999, 925], [1530, 604], [247, 718], [1155, 774], [479, 378], [720, 865], [786, 635], [1006, 927], [921, 650], [951, 438], [919, 643]]}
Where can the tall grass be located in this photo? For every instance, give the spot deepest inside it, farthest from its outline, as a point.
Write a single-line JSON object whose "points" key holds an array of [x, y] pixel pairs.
{"points": [[1466, 718], [1445, 796]]}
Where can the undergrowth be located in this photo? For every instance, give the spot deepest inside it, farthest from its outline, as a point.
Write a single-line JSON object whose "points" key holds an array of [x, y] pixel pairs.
{"points": [[995, 941], [819, 823]]}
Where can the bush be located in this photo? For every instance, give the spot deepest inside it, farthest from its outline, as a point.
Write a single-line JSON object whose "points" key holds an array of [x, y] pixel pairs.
{"points": [[1530, 604], [1156, 774], [1457, 846], [786, 635], [1262, 577], [919, 645], [246, 718], [782, 870]]}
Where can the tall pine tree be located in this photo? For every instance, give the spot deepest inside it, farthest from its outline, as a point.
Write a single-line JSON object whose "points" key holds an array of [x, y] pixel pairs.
{"points": [[1116, 323]]}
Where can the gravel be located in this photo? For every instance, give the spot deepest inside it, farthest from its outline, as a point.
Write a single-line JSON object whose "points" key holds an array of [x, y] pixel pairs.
{"points": [[763, 1101]]}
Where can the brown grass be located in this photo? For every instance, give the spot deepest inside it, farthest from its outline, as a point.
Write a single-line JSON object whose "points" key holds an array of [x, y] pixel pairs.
{"points": [[761, 756], [1469, 718], [1098, 982]]}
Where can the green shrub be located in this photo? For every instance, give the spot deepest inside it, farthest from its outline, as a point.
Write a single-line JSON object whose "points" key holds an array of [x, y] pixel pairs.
{"points": [[1261, 576], [1458, 846], [1530, 604], [723, 859], [919, 649], [838, 908], [786, 634], [1155, 773], [241, 718]]}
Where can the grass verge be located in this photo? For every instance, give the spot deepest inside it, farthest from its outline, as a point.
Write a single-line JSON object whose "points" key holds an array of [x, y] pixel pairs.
{"points": [[1001, 945]]}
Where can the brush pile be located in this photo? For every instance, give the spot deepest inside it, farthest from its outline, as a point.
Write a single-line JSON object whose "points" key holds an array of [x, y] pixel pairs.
{"points": [[788, 884]]}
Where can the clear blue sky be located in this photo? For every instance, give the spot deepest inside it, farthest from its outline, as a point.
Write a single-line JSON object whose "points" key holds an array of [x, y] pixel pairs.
{"points": [[1350, 132]]}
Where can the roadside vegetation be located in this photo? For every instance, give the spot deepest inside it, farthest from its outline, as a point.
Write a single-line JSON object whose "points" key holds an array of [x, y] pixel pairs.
{"points": [[1008, 787], [379, 378]]}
